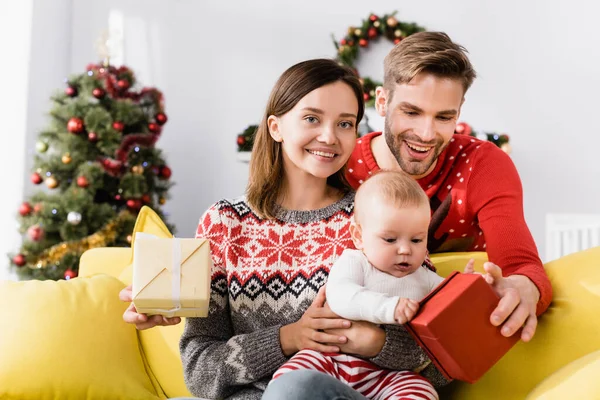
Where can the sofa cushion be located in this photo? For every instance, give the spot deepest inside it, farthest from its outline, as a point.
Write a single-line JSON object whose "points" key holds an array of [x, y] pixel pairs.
{"points": [[67, 340]]}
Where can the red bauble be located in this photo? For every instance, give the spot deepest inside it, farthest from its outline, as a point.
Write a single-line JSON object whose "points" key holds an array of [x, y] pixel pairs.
{"points": [[118, 126], [123, 84], [71, 91], [98, 93], [75, 125], [118, 197], [397, 40], [82, 182], [93, 137], [25, 209], [372, 33], [463, 128], [35, 233], [19, 260], [363, 42], [366, 96], [146, 198], [70, 274], [241, 140], [165, 172], [161, 118], [36, 178], [134, 204], [154, 128], [373, 18], [343, 42]]}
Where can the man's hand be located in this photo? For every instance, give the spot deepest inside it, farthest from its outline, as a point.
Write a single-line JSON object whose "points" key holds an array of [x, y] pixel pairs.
{"points": [[365, 339], [517, 305], [142, 321], [406, 309]]}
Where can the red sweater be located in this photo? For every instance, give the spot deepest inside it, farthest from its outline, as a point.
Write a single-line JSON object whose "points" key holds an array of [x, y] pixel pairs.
{"points": [[477, 205]]}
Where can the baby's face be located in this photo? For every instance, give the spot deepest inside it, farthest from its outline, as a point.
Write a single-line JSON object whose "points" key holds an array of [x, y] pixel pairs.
{"points": [[394, 239]]}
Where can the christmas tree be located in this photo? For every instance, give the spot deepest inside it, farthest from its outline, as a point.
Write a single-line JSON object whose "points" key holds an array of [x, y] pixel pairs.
{"points": [[99, 164]]}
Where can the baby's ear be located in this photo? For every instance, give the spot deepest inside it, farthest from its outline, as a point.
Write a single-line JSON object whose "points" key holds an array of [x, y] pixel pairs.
{"points": [[356, 234]]}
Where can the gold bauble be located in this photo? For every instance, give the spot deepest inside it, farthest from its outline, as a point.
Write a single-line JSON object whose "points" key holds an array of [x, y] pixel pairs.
{"points": [[358, 32], [66, 159], [392, 22], [376, 24], [51, 182], [137, 169], [162, 201], [351, 30], [398, 33]]}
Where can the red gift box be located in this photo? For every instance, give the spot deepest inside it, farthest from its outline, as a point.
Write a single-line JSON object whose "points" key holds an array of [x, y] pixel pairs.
{"points": [[453, 326]]}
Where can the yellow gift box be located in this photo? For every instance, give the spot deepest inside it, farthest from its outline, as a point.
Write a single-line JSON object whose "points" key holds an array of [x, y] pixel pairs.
{"points": [[171, 276]]}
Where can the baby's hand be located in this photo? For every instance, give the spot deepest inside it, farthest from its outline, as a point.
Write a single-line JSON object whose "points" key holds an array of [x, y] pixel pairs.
{"points": [[470, 269], [406, 309]]}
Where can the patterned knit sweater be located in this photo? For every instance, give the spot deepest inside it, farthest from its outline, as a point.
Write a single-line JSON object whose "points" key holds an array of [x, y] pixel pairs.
{"points": [[266, 274], [477, 202]]}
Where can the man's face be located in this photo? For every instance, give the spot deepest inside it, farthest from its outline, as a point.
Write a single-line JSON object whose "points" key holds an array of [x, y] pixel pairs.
{"points": [[420, 119]]}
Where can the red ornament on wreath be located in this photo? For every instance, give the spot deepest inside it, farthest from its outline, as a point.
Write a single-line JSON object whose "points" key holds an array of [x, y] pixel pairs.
{"points": [[118, 126], [19, 260], [373, 18], [71, 91], [70, 274], [363, 42], [161, 118], [36, 178], [123, 84], [35, 233], [241, 140], [154, 128], [372, 33], [82, 182], [98, 93], [165, 172], [75, 125], [463, 128], [93, 137], [25, 209], [134, 204]]}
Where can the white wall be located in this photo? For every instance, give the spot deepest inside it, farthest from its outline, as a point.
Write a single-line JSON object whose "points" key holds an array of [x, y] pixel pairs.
{"points": [[216, 62]]}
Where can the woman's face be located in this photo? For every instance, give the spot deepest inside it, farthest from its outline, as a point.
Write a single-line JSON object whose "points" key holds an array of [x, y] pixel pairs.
{"points": [[318, 135]]}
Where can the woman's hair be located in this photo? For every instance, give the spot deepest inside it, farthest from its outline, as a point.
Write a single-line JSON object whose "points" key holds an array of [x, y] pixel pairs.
{"points": [[266, 164], [429, 52]]}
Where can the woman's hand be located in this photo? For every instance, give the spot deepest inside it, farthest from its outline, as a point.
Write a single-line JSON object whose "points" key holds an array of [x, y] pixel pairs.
{"points": [[142, 321], [365, 339], [307, 333]]}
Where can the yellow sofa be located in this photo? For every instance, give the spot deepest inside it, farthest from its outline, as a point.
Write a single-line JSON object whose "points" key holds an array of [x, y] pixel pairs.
{"points": [[66, 340]]}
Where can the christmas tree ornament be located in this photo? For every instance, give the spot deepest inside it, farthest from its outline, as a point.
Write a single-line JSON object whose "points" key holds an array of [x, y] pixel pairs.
{"points": [[134, 204], [98, 93], [36, 178], [71, 91], [463, 128], [165, 172], [82, 182], [397, 40], [154, 128], [35, 233], [372, 33], [74, 218], [391, 22], [41, 146], [66, 158], [146, 199], [351, 30], [75, 125], [373, 18], [93, 137], [51, 182], [19, 260], [118, 126], [398, 33], [366, 96], [123, 84], [137, 169], [363, 42], [162, 201], [161, 118], [118, 197], [70, 274], [25, 209], [377, 24], [241, 140], [357, 32], [38, 207]]}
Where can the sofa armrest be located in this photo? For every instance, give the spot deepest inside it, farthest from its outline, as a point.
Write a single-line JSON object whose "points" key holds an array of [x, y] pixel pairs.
{"points": [[105, 260]]}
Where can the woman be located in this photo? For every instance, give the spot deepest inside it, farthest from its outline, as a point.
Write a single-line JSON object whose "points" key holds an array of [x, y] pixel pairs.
{"points": [[273, 248]]}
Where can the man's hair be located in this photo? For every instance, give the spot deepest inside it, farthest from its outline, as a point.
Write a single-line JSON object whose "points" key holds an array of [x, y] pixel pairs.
{"points": [[266, 164], [429, 52], [396, 188]]}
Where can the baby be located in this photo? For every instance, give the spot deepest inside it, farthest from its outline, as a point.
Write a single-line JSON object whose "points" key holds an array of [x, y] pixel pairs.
{"points": [[382, 281]]}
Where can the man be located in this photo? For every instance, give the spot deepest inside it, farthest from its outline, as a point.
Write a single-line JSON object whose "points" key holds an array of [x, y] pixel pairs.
{"points": [[474, 189]]}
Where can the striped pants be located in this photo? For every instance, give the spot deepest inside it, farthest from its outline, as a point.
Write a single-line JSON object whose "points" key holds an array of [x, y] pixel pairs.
{"points": [[363, 376]]}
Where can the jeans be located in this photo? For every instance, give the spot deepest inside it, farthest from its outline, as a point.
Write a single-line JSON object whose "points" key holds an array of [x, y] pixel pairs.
{"points": [[309, 385]]}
